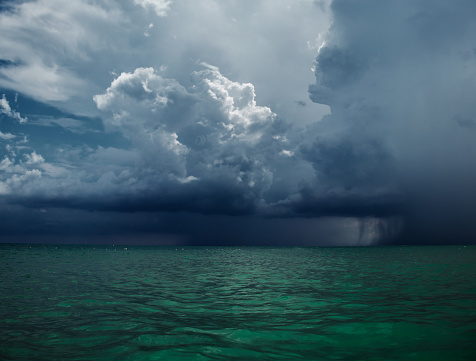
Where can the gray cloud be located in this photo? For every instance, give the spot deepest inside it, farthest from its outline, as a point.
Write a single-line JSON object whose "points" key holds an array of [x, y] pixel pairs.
{"points": [[126, 116], [400, 94], [208, 148]]}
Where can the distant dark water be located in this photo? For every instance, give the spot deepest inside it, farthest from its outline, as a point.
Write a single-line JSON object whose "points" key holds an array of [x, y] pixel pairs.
{"points": [[229, 303]]}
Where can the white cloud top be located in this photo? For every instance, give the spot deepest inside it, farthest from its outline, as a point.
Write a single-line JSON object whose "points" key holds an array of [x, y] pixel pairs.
{"points": [[9, 112], [161, 7]]}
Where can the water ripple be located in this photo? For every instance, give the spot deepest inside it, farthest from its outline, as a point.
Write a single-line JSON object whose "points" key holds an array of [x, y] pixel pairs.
{"points": [[396, 303]]}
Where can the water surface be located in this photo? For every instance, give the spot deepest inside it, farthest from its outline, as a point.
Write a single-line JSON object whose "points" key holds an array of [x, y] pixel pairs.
{"points": [[237, 303]]}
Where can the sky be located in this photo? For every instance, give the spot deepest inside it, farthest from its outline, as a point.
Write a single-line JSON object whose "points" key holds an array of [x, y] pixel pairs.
{"points": [[226, 122]]}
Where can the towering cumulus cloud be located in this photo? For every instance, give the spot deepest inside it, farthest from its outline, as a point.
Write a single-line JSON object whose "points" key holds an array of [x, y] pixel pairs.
{"points": [[209, 148], [400, 79]]}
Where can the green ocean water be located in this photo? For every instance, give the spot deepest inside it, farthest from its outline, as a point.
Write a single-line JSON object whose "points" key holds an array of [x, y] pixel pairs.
{"points": [[237, 303]]}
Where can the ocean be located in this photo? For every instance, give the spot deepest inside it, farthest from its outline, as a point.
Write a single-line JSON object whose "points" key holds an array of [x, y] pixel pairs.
{"points": [[237, 303]]}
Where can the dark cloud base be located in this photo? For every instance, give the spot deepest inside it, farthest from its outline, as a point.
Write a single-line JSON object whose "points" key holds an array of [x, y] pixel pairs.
{"points": [[57, 225]]}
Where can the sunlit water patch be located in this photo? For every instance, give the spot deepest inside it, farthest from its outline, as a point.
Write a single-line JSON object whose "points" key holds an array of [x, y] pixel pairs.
{"points": [[237, 303]]}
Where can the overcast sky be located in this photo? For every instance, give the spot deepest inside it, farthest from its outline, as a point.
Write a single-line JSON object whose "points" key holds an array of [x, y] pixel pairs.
{"points": [[267, 122]]}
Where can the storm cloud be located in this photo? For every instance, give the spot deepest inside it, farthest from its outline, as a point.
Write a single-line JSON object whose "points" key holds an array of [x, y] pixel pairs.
{"points": [[193, 122], [399, 78]]}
